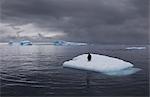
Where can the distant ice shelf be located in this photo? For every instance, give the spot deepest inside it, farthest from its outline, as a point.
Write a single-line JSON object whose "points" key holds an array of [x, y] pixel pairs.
{"points": [[100, 63], [56, 43], [135, 48]]}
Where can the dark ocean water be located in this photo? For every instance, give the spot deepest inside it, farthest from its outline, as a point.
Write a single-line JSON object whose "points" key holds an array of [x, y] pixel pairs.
{"points": [[37, 71]]}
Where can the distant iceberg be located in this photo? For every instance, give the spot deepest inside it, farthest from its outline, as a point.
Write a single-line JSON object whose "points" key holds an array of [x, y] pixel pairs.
{"points": [[10, 42], [25, 42], [100, 63], [135, 48], [65, 43], [58, 42], [22, 43]]}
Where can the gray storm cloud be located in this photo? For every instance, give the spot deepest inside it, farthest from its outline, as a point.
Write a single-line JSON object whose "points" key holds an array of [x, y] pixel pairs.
{"points": [[96, 21]]}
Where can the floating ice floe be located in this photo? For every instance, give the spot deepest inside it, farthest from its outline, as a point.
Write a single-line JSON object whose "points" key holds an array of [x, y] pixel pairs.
{"points": [[100, 63], [65, 43], [135, 48]]}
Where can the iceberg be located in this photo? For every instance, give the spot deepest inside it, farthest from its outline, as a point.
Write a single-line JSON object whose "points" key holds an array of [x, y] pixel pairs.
{"points": [[100, 63], [25, 42], [10, 42], [65, 43], [59, 42]]}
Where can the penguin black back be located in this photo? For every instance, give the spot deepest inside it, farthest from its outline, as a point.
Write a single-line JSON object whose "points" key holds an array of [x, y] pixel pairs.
{"points": [[89, 57]]}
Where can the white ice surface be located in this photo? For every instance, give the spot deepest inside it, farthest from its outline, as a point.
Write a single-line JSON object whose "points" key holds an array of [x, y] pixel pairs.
{"points": [[98, 63]]}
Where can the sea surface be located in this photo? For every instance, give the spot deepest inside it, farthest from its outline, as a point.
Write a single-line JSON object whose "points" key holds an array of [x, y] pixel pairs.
{"points": [[37, 71]]}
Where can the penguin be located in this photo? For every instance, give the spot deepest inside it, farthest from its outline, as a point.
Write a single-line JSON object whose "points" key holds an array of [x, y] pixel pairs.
{"points": [[89, 57]]}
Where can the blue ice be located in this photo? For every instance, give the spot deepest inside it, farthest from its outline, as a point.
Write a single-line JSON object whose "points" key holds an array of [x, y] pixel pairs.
{"points": [[123, 72]]}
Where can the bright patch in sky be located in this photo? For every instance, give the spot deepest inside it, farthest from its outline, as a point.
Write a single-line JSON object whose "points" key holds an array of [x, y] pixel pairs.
{"points": [[28, 30]]}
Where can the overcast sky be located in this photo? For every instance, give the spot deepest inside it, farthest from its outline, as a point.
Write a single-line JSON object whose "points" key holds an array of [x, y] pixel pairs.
{"points": [[95, 21]]}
